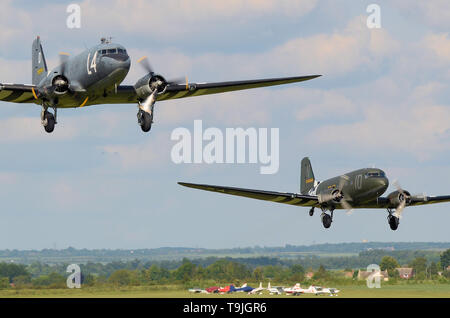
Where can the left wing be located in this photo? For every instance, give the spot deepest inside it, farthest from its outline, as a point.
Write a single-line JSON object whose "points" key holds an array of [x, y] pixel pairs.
{"points": [[278, 197], [17, 93], [126, 94]]}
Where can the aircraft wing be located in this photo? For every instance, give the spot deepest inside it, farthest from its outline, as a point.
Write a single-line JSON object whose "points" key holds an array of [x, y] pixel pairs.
{"points": [[278, 197], [415, 200], [197, 89], [126, 93], [16, 93]]}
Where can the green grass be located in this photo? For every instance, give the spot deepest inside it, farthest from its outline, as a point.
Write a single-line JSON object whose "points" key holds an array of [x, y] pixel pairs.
{"points": [[386, 291]]}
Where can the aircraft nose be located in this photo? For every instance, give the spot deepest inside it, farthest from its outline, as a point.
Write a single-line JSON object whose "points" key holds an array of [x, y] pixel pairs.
{"points": [[383, 183], [124, 63]]}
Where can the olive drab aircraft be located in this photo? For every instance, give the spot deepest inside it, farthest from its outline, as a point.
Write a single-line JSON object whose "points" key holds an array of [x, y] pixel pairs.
{"points": [[93, 77], [359, 189]]}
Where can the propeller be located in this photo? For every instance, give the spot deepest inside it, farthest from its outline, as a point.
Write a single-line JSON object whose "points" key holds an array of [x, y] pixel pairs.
{"points": [[401, 206], [157, 85], [143, 61], [59, 84], [145, 64], [338, 195], [63, 57]]}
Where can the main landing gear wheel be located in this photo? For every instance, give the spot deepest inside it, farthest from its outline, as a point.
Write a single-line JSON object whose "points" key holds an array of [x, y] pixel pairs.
{"points": [[393, 222], [49, 122], [326, 220], [145, 120]]}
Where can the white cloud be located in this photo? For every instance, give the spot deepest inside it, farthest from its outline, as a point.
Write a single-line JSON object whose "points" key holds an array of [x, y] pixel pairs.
{"points": [[180, 17], [421, 130]]}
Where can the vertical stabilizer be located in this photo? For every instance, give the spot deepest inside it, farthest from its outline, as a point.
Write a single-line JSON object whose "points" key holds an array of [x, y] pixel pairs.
{"points": [[306, 176], [38, 64]]}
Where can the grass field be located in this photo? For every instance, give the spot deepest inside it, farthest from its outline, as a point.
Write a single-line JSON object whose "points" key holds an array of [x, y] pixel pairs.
{"points": [[387, 291]]}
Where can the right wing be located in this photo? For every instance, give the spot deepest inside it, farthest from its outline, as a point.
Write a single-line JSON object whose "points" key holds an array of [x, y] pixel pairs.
{"points": [[126, 94], [278, 197], [17, 93]]}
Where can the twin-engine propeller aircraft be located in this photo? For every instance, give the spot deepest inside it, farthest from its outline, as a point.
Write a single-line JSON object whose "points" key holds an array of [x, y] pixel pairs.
{"points": [[93, 77], [359, 189]]}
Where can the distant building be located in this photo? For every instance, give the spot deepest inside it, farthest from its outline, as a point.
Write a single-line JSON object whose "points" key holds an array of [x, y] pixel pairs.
{"points": [[348, 274], [405, 272], [363, 275], [309, 275]]}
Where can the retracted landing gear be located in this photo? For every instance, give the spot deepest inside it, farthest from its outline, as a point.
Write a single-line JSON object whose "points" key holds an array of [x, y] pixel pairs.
{"points": [[48, 120], [393, 221], [327, 219]]}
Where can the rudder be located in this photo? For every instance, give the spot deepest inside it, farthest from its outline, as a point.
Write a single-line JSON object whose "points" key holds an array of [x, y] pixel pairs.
{"points": [[39, 66], [306, 176]]}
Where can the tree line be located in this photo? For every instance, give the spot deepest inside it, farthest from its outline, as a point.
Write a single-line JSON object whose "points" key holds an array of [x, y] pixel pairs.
{"points": [[211, 271]]}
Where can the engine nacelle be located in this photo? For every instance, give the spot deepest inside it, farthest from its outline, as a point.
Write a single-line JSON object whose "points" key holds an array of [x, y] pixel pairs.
{"points": [[147, 84], [61, 84], [396, 197], [332, 196]]}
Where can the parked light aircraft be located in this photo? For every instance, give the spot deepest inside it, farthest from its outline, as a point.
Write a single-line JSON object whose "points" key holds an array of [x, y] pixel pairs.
{"points": [[93, 77], [258, 290], [359, 189]]}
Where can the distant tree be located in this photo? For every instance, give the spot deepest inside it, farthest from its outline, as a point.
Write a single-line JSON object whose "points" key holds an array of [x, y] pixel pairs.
{"points": [[419, 264], [53, 280], [445, 259], [433, 270], [298, 273], [388, 263], [121, 277], [4, 282], [321, 273], [22, 280], [12, 270], [258, 274], [186, 271]]}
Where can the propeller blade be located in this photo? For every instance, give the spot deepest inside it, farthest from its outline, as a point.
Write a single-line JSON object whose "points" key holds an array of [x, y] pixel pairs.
{"points": [[347, 206], [63, 57], [399, 209], [143, 61], [397, 186], [149, 102]]}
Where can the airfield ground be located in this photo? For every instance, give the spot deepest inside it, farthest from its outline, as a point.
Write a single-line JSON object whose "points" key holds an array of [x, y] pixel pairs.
{"points": [[388, 291]]}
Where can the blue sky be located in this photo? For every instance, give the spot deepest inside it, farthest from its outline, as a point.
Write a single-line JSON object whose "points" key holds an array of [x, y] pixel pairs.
{"points": [[98, 181]]}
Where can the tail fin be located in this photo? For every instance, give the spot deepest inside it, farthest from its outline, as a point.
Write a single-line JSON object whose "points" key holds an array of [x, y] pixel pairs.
{"points": [[39, 66], [306, 176]]}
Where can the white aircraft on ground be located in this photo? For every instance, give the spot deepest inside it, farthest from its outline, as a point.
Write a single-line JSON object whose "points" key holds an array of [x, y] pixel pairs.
{"points": [[275, 290], [257, 290], [295, 290], [317, 290]]}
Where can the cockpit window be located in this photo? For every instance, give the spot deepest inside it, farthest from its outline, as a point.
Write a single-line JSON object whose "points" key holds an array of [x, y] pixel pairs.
{"points": [[103, 51], [375, 174], [112, 51]]}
